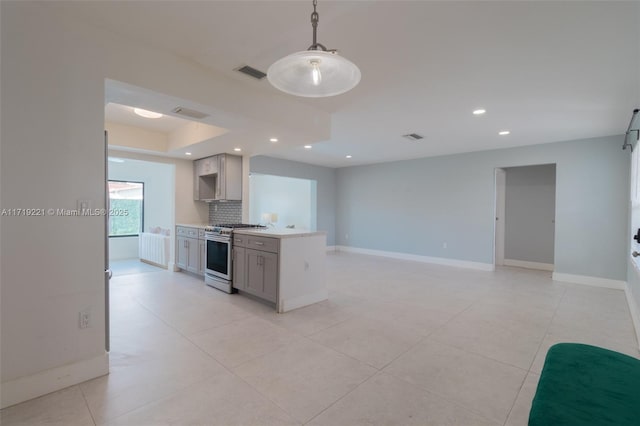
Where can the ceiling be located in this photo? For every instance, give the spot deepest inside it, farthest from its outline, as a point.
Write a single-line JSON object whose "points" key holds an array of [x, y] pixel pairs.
{"points": [[546, 71], [124, 114]]}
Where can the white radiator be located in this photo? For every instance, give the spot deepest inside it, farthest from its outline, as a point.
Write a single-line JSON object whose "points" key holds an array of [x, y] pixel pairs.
{"points": [[154, 249]]}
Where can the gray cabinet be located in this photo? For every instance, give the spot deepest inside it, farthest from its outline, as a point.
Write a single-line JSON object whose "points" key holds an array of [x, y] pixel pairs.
{"points": [[261, 274], [190, 249], [182, 253], [255, 266], [203, 261], [238, 257], [218, 177]]}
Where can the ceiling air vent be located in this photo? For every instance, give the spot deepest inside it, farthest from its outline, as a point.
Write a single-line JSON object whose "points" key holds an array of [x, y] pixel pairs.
{"points": [[189, 113], [413, 136], [252, 72]]}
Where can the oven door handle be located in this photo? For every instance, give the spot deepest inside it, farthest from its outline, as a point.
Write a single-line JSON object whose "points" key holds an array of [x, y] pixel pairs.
{"points": [[218, 239]]}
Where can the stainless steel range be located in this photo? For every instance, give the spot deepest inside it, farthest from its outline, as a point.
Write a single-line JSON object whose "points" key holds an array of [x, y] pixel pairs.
{"points": [[218, 270]]}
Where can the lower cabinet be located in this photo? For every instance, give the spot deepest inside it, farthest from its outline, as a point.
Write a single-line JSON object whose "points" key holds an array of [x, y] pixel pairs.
{"points": [[203, 260], [256, 272], [190, 250], [262, 274], [238, 257], [182, 252]]}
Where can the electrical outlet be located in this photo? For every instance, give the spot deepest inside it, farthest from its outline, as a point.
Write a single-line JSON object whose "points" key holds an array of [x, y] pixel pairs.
{"points": [[346, 236], [444, 245], [84, 319]]}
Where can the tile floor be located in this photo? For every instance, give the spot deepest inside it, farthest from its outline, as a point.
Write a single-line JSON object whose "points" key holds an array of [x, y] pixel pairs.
{"points": [[397, 343], [131, 266]]}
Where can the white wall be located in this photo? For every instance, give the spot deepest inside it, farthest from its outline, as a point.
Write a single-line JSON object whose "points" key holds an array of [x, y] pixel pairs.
{"points": [[293, 200], [530, 213], [52, 156], [53, 73], [159, 193], [427, 202]]}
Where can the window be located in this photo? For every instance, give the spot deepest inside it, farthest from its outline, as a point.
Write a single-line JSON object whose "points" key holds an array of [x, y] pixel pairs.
{"points": [[126, 208]]}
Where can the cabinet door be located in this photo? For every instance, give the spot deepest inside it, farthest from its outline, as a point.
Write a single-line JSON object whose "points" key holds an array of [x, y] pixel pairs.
{"points": [[261, 274], [182, 252], [239, 263], [193, 255], [196, 180], [270, 276], [221, 182], [253, 272], [203, 261], [211, 165]]}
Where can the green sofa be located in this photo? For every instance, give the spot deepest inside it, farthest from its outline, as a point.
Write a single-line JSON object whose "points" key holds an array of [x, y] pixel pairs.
{"points": [[587, 385]]}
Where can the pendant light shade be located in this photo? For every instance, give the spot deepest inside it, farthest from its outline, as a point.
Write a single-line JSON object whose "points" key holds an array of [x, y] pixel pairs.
{"points": [[314, 73]]}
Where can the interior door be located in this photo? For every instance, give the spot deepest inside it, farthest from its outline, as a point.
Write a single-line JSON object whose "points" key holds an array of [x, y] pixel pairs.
{"points": [[501, 182]]}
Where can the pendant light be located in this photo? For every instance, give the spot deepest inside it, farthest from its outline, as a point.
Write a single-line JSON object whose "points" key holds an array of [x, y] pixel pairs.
{"points": [[316, 72]]}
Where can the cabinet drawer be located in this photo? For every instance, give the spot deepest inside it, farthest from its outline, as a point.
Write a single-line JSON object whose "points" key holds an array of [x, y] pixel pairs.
{"points": [[239, 240], [200, 234], [183, 231], [263, 243]]}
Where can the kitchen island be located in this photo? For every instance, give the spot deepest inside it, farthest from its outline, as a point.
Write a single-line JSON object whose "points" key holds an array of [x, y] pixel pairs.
{"points": [[283, 266]]}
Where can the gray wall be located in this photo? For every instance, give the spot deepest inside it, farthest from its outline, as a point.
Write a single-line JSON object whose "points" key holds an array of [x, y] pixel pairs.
{"points": [[415, 206], [326, 186], [530, 212]]}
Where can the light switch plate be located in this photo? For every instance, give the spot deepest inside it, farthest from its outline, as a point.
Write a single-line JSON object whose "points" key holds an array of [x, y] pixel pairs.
{"points": [[84, 205]]}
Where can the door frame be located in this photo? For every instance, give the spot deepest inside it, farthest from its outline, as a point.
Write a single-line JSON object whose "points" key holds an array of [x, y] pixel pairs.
{"points": [[500, 179]]}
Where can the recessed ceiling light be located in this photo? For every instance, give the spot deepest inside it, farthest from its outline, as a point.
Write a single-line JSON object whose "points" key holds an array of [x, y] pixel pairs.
{"points": [[503, 132], [187, 153], [479, 111], [146, 114], [348, 156], [237, 149], [307, 147], [273, 140]]}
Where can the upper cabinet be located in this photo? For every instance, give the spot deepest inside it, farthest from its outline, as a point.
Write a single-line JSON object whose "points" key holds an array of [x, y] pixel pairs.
{"points": [[218, 177]]}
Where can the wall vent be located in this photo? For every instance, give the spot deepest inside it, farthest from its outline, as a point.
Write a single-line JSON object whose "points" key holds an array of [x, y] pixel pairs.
{"points": [[413, 136], [252, 72], [189, 113]]}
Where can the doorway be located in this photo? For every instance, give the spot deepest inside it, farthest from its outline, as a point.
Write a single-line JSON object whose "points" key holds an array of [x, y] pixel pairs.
{"points": [[525, 216], [140, 240]]}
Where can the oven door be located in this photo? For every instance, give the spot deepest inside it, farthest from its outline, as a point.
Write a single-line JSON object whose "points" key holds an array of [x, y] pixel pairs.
{"points": [[218, 257]]}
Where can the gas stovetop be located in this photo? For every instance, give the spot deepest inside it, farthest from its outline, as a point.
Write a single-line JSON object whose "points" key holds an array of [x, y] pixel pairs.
{"points": [[237, 225], [227, 228]]}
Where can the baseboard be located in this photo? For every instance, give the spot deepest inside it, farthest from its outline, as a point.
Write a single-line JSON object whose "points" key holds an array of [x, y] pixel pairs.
{"points": [[586, 280], [528, 265], [298, 302], [158, 265], [29, 387], [634, 310], [331, 248], [418, 258]]}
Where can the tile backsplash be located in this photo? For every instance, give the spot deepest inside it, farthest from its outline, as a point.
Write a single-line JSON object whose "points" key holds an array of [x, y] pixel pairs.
{"points": [[225, 212]]}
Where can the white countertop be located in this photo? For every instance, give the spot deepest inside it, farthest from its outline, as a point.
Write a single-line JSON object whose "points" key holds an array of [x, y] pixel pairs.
{"points": [[279, 233], [194, 225]]}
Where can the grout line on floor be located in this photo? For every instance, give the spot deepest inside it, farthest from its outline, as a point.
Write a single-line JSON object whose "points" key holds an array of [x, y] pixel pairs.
{"points": [[87, 404], [546, 332], [343, 396]]}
